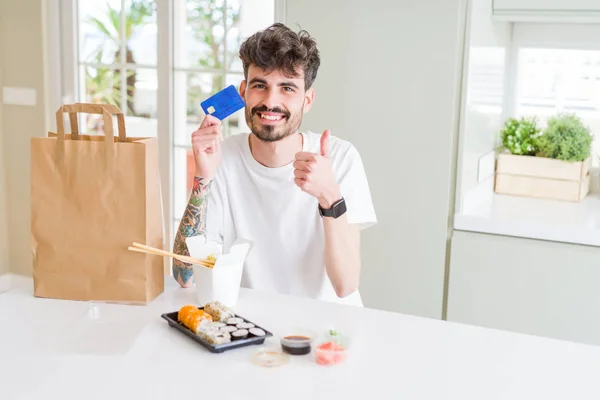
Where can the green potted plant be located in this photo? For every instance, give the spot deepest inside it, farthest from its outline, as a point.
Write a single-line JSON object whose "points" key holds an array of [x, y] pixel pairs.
{"points": [[519, 136], [565, 138], [552, 163]]}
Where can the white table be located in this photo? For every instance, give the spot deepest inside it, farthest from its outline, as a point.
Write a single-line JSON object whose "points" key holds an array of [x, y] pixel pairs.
{"points": [[52, 349]]}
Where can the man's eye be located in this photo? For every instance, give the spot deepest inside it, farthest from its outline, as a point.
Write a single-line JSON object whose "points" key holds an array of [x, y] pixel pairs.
{"points": [[259, 86], [288, 89]]}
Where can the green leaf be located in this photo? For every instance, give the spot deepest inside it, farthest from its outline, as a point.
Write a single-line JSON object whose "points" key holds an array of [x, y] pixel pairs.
{"points": [[565, 138], [518, 136]]}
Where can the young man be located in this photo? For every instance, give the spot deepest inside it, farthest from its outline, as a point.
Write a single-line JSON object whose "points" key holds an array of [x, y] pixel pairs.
{"points": [[301, 198]]}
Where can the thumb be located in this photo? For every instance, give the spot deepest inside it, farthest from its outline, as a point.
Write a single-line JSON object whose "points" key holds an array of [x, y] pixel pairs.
{"points": [[325, 143], [209, 120]]}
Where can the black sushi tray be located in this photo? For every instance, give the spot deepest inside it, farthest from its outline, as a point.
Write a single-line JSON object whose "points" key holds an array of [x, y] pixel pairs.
{"points": [[218, 348]]}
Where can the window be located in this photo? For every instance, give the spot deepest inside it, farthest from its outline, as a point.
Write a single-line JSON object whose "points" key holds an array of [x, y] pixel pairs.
{"points": [[486, 79], [117, 61], [558, 75], [112, 52]]}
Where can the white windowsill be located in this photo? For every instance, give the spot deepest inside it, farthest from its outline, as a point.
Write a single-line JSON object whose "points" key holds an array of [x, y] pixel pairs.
{"points": [[560, 221]]}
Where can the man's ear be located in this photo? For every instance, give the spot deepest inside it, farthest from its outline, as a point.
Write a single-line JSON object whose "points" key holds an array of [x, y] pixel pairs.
{"points": [[243, 90], [309, 96]]}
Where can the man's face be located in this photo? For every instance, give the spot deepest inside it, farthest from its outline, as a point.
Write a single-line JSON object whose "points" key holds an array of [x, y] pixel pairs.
{"points": [[275, 103]]}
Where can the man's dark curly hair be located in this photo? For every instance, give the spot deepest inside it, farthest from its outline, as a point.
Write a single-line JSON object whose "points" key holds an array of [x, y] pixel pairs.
{"points": [[280, 48]]}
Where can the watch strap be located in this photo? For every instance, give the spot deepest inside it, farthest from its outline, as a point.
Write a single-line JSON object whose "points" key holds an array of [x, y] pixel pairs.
{"points": [[336, 210]]}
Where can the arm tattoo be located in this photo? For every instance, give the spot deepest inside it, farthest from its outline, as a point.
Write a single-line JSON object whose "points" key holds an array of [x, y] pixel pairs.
{"points": [[193, 223]]}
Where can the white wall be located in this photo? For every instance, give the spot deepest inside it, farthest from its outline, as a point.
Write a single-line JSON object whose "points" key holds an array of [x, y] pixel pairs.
{"points": [[483, 106], [22, 63], [3, 222], [529, 286], [389, 84]]}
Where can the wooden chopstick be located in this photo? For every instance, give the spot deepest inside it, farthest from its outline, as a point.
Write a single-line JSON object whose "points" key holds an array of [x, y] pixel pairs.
{"points": [[177, 257], [162, 252], [185, 259], [140, 248], [165, 253]]}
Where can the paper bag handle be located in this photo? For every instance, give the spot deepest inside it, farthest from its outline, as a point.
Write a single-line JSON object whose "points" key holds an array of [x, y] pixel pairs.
{"points": [[106, 110]]}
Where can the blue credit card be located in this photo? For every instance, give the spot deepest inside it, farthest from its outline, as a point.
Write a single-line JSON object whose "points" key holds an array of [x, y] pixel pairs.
{"points": [[224, 103]]}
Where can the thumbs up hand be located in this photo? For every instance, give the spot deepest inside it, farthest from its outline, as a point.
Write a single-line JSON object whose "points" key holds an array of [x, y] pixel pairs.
{"points": [[313, 174], [325, 143]]}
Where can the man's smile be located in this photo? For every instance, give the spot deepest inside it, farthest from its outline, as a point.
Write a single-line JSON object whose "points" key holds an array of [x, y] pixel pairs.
{"points": [[270, 117]]}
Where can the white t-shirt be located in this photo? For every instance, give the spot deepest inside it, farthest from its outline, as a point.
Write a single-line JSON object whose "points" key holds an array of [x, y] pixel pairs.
{"points": [[263, 205]]}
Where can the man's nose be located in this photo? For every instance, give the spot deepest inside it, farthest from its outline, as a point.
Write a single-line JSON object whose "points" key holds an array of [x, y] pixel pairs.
{"points": [[271, 99]]}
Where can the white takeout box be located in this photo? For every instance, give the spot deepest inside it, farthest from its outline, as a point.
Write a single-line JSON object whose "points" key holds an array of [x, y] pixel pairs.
{"points": [[222, 282]]}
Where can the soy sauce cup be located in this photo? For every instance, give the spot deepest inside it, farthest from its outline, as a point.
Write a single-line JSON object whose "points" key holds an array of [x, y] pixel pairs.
{"points": [[297, 342]]}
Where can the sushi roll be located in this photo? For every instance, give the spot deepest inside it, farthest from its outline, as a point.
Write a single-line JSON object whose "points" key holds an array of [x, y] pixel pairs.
{"points": [[228, 329], [219, 340], [217, 325], [213, 335], [218, 311], [193, 318], [215, 339], [245, 325], [185, 311], [239, 334], [234, 321], [257, 332], [199, 319]]}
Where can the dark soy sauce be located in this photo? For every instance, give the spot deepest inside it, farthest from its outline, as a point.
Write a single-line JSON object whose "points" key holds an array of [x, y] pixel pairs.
{"points": [[296, 345]]}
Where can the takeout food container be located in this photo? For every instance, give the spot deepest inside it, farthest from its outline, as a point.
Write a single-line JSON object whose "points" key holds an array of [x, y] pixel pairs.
{"points": [[297, 341], [221, 282], [216, 327], [330, 353], [332, 349]]}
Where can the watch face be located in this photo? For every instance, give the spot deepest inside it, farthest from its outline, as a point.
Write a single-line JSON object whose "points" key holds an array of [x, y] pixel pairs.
{"points": [[339, 208]]}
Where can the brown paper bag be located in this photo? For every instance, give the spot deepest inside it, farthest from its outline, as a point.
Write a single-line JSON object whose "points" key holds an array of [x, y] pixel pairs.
{"points": [[91, 198]]}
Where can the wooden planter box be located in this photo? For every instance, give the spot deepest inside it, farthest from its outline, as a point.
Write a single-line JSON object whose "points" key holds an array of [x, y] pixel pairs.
{"points": [[542, 177]]}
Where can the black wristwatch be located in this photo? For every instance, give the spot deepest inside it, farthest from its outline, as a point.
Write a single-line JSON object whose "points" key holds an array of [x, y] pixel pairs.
{"points": [[336, 210]]}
